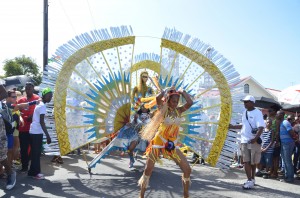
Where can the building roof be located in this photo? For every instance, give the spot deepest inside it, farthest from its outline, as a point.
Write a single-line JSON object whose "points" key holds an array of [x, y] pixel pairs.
{"points": [[260, 86], [274, 92]]}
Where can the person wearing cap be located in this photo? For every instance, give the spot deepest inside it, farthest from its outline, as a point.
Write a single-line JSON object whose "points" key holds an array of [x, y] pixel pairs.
{"points": [[37, 128], [251, 129], [24, 129]]}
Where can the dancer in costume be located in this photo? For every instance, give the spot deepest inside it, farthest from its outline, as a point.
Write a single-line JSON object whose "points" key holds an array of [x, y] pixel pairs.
{"points": [[140, 92], [167, 120], [105, 86], [130, 132], [142, 89], [128, 138]]}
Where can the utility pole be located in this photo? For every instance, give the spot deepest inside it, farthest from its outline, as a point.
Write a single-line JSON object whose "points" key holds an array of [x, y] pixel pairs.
{"points": [[45, 39]]}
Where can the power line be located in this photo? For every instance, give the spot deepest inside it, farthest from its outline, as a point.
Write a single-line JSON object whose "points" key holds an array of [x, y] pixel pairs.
{"points": [[69, 20], [93, 21]]}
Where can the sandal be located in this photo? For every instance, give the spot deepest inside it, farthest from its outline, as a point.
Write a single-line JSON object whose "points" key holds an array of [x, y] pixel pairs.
{"points": [[54, 159], [59, 160]]}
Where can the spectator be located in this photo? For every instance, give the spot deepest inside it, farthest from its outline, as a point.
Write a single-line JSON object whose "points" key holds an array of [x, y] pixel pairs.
{"points": [[287, 147], [37, 128], [18, 120], [276, 140], [265, 116], [10, 126], [297, 147], [4, 115], [252, 127], [24, 129], [267, 149], [196, 159]]}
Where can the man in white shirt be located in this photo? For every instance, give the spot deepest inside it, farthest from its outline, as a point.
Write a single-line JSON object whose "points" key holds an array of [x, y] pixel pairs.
{"points": [[251, 129]]}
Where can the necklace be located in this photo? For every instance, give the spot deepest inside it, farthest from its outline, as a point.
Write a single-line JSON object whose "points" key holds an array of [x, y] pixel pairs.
{"points": [[172, 113], [171, 110]]}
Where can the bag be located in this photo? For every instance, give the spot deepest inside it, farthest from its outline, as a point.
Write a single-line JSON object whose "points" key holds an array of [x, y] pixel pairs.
{"points": [[254, 130], [259, 141]]}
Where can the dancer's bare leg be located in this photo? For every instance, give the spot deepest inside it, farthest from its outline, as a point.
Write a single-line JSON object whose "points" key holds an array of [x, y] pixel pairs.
{"points": [[143, 182], [130, 152], [132, 147], [186, 169]]}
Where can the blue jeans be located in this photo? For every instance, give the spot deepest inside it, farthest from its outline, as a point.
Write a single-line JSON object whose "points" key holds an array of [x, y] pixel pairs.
{"points": [[286, 154], [296, 157], [267, 159]]}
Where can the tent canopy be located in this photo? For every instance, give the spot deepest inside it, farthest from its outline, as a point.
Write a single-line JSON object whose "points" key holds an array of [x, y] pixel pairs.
{"points": [[266, 103], [291, 108]]}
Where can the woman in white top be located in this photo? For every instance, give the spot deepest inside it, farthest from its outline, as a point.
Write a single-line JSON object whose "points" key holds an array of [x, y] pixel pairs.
{"points": [[37, 128]]}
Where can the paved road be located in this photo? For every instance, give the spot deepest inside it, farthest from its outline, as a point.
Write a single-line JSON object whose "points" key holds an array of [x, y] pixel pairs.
{"points": [[113, 178]]}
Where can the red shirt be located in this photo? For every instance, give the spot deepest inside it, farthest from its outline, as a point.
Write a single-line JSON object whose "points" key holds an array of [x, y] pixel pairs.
{"points": [[27, 113]]}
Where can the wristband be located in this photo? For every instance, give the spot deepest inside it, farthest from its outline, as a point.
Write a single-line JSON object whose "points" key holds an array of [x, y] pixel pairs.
{"points": [[32, 103]]}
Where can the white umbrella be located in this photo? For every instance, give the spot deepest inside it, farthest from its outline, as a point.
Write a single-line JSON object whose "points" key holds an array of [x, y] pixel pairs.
{"points": [[290, 95]]}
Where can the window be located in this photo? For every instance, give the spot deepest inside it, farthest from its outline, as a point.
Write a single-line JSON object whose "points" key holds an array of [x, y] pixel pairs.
{"points": [[246, 88]]}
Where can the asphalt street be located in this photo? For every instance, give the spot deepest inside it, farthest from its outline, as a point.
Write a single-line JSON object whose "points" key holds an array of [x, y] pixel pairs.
{"points": [[113, 178]]}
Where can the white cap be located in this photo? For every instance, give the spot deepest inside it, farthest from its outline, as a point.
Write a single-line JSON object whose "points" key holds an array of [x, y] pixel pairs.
{"points": [[249, 98]]}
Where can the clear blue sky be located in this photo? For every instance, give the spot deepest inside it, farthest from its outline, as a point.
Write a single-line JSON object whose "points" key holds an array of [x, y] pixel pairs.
{"points": [[261, 38]]}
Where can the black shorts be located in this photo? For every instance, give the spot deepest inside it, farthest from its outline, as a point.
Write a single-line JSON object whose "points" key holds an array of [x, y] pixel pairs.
{"points": [[276, 152]]}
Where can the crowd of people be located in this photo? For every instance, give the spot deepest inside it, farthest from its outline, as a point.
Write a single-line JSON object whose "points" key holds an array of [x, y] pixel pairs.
{"points": [[269, 145], [22, 126]]}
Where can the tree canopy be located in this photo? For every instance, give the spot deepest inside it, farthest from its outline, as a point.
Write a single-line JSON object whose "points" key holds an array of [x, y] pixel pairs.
{"points": [[22, 66]]}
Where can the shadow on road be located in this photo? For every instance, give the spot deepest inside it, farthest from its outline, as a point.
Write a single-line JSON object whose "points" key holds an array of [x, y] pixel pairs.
{"points": [[113, 178]]}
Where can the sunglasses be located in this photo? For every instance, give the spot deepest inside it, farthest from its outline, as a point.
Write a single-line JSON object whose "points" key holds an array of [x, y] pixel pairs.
{"points": [[13, 96], [144, 76]]}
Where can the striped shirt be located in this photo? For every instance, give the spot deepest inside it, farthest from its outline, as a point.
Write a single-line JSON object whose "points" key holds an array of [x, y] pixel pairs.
{"points": [[266, 139]]}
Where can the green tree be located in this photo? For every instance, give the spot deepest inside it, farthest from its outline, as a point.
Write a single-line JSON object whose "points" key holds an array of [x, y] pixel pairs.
{"points": [[23, 66]]}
